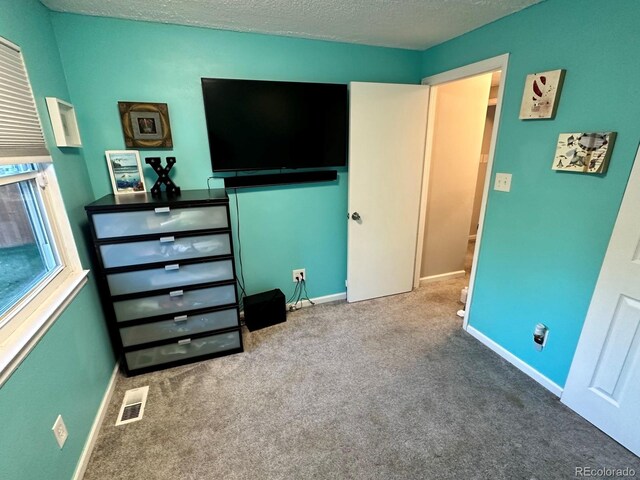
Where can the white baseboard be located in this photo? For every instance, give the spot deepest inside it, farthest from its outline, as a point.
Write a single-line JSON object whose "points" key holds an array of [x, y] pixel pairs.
{"points": [[336, 297], [515, 361], [95, 428], [442, 276]]}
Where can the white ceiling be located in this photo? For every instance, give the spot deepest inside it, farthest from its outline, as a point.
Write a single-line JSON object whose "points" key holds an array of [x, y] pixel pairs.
{"points": [[413, 24]]}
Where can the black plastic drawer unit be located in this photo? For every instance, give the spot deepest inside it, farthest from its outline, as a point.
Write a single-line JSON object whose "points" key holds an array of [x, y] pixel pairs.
{"points": [[167, 277]]}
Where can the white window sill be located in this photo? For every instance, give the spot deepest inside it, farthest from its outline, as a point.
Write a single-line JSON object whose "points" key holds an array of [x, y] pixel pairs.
{"points": [[19, 343]]}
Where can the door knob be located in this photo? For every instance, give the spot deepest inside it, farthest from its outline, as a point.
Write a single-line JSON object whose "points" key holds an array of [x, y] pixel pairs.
{"points": [[355, 216]]}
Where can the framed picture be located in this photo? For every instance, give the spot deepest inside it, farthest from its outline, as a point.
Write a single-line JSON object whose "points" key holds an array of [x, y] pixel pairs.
{"points": [[541, 95], [584, 152], [125, 170], [145, 125]]}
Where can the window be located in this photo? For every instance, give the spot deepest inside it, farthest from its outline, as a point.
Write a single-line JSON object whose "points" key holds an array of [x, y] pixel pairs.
{"points": [[28, 255], [39, 266]]}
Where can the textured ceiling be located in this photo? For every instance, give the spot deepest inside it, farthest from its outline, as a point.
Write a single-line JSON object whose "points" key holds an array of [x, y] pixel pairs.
{"points": [[414, 24]]}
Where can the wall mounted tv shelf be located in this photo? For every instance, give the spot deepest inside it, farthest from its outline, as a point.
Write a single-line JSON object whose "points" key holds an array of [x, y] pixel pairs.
{"points": [[246, 181]]}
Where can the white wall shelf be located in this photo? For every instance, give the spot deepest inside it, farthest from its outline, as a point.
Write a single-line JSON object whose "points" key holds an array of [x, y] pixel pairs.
{"points": [[63, 121]]}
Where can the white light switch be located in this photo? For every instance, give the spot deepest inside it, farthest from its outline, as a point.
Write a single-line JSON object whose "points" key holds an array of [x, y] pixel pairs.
{"points": [[503, 182]]}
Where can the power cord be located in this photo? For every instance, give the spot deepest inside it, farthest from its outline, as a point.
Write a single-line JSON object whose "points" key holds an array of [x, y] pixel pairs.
{"points": [[306, 295], [304, 286], [295, 291], [297, 297], [240, 279], [293, 296]]}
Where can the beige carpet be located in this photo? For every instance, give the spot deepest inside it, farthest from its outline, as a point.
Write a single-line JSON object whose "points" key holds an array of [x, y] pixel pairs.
{"points": [[384, 389]]}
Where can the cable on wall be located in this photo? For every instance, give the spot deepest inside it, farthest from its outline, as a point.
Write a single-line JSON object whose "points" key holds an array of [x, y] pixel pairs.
{"points": [[306, 295], [295, 292], [208, 180], [240, 280]]}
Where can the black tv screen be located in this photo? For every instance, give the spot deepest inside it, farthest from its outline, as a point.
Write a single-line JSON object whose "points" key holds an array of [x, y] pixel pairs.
{"points": [[257, 124]]}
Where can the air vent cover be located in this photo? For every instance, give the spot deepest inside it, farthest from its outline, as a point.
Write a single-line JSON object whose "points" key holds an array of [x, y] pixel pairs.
{"points": [[133, 404]]}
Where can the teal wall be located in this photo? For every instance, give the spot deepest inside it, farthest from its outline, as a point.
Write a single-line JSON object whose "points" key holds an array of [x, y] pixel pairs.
{"points": [[544, 242], [108, 60], [68, 371]]}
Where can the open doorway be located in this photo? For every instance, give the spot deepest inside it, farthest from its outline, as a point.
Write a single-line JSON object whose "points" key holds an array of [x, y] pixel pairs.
{"points": [[462, 125]]}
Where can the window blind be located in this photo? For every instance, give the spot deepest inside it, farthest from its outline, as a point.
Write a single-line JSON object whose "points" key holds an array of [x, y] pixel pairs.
{"points": [[21, 139]]}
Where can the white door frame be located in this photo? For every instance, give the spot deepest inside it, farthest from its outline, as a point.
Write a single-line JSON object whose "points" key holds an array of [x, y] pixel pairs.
{"points": [[484, 66]]}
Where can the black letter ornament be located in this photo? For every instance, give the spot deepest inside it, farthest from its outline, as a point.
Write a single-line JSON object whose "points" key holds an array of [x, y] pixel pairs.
{"points": [[163, 176]]}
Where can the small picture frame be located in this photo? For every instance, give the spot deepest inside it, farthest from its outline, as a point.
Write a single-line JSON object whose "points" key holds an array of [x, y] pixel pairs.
{"points": [[541, 95], [145, 125], [583, 152], [125, 170]]}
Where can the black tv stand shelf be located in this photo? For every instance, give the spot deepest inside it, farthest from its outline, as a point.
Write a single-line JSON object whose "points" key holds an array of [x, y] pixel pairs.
{"points": [[246, 181]]}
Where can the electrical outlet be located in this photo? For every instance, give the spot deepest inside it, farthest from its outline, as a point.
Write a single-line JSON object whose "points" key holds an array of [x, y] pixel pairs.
{"points": [[540, 336], [295, 274], [60, 431], [503, 182]]}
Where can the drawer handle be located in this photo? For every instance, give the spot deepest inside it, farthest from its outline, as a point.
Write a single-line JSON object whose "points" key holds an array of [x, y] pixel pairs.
{"points": [[162, 209], [185, 341], [176, 293], [167, 239], [174, 266], [180, 318]]}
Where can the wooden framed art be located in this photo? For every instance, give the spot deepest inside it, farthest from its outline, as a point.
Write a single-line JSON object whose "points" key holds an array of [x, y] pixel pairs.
{"points": [[584, 152], [145, 125], [541, 95], [125, 171]]}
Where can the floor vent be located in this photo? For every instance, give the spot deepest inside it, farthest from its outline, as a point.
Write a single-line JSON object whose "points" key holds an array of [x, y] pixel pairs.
{"points": [[133, 404]]}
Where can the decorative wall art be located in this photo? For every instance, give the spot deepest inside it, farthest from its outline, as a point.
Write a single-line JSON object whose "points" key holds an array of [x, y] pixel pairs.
{"points": [[63, 123], [541, 95], [584, 152], [125, 171], [163, 176], [145, 125]]}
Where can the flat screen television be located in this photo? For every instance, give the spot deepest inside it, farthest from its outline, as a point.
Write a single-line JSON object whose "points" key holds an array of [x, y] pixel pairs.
{"points": [[263, 125]]}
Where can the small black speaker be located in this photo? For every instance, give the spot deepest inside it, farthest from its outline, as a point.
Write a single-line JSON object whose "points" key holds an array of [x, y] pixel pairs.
{"points": [[264, 309]]}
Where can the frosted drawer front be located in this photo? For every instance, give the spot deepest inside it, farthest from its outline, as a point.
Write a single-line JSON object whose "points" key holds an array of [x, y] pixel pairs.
{"points": [[175, 275], [167, 304], [180, 327], [148, 357], [160, 220], [166, 249]]}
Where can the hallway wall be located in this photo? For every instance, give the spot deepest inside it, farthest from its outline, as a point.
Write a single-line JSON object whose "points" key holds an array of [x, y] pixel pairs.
{"points": [[460, 112]]}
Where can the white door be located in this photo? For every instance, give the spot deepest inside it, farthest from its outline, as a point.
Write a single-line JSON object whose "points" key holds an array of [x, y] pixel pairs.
{"points": [[387, 129], [604, 380]]}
